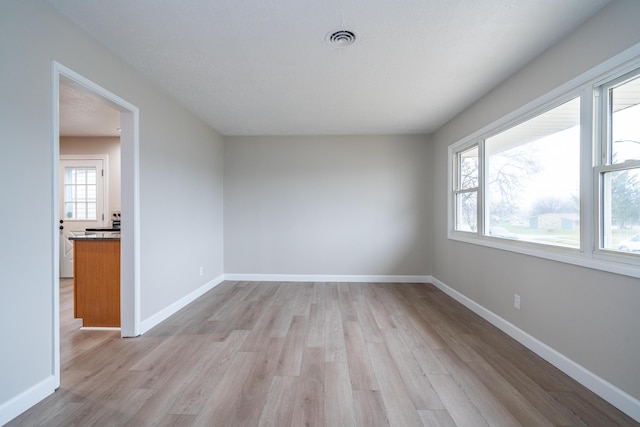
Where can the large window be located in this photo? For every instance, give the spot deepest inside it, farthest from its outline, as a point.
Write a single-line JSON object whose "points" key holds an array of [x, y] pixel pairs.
{"points": [[619, 173], [533, 179], [524, 184]]}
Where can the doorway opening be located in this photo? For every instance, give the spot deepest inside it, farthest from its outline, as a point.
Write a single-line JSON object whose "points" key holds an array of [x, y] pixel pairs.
{"points": [[129, 202]]}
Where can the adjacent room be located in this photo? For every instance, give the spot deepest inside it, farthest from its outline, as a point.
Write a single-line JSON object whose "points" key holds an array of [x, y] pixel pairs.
{"points": [[344, 212]]}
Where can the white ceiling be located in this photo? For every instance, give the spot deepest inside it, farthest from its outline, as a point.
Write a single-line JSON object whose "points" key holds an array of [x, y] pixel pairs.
{"points": [[84, 113], [263, 67]]}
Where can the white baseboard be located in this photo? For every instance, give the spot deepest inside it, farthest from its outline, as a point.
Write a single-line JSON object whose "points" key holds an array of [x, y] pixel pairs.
{"points": [[612, 394], [326, 278], [165, 313], [25, 400]]}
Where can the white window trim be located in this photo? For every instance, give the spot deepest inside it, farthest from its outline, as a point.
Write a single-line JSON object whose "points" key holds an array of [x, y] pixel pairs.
{"points": [[589, 254]]}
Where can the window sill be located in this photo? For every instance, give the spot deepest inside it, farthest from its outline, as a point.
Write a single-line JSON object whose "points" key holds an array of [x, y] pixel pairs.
{"points": [[609, 261]]}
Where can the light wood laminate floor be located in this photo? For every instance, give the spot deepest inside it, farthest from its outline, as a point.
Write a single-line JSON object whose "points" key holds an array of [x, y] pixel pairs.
{"points": [[312, 354]]}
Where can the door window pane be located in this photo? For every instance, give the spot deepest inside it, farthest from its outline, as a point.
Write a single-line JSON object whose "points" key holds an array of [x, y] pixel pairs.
{"points": [[80, 193]]}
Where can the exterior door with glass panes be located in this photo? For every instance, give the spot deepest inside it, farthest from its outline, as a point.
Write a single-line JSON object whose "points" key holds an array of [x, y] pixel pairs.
{"points": [[81, 204]]}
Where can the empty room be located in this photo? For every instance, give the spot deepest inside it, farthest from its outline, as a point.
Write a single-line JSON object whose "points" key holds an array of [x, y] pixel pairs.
{"points": [[342, 212]]}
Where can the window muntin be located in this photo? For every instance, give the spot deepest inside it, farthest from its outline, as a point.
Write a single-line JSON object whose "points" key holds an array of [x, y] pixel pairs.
{"points": [[466, 189], [533, 179]]}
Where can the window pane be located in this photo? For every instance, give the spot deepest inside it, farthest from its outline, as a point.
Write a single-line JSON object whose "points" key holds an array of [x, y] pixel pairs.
{"points": [[80, 193], [69, 210], [533, 179], [467, 211], [625, 121], [621, 210], [91, 211], [91, 193], [81, 176], [91, 176], [468, 169]]}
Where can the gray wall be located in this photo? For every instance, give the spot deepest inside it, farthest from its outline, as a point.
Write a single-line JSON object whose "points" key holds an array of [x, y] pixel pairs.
{"points": [[590, 316], [180, 182], [343, 205]]}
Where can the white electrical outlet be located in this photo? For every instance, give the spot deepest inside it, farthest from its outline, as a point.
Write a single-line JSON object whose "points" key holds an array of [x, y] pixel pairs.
{"points": [[201, 271], [516, 301]]}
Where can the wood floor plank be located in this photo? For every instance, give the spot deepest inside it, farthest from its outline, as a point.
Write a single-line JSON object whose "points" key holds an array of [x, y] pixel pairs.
{"points": [[589, 414], [260, 336], [177, 375], [338, 397], [414, 378], [419, 347], [316, 331], [515, 402], [49, 410], [263, 291], [532, 392], [284, 294], [229, 305], [302, 301], [192, 397], [290, 359], [367, 321], [311, 354], [369, 409], [242, 393], [457, 342], [397, 401], [245, 315], [602, 407], [345, 301], [174, 420], [494, 344], [319, 293], [360, 369], [278, 410], [309, 406], [493, 410], [378, 309], [420, 326], [117, 415], [335, 347], [456, 401], [436, 418]]}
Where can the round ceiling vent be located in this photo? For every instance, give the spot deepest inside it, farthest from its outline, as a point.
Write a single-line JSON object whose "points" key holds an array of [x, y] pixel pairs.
{"points": [[341, 38]]}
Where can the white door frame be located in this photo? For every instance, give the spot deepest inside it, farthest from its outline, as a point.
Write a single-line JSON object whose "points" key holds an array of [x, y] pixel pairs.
{"points": [[130, 208]]}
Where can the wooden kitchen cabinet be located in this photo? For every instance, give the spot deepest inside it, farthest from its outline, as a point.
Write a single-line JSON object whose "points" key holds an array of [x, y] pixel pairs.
{"points": [[96, 267]]}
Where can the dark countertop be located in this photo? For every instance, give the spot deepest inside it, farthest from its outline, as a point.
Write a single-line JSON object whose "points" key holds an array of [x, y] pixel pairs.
{"points": [[103, 229], [89, 235]]}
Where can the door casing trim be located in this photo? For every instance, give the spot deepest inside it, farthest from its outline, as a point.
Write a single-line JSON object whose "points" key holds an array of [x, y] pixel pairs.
{"points": [[130, 207]]}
